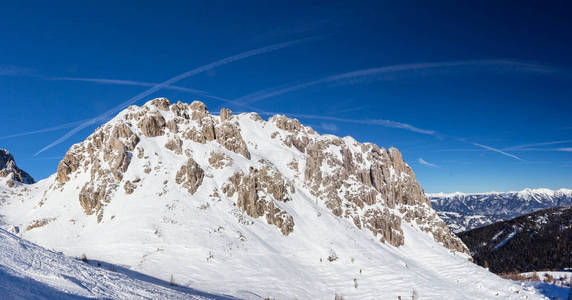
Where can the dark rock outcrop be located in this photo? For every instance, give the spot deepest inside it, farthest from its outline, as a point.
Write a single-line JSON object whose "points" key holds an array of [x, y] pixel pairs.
{"points": [[9, 169]]}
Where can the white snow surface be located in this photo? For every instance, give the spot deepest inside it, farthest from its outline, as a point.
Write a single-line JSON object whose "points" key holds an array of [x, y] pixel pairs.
{"points": [[207, 244], [28, 271]]}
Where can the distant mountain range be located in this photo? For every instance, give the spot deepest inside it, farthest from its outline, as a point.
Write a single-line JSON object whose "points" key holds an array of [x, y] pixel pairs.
{"points": [[463, 211], [538, 241]]}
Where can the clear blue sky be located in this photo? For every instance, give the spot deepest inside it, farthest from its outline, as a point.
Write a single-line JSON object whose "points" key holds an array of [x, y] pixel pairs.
{"points": [[477, 96]]}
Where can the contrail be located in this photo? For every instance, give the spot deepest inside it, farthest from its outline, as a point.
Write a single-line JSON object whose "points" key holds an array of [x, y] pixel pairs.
{"points": [[173, 80], [522, 147], [151, 84], [426, 163], [562, 149], [128, 82], [508, 65], [10, 70], [55, 128], [497, 150], [400, 125], [380, 122]]}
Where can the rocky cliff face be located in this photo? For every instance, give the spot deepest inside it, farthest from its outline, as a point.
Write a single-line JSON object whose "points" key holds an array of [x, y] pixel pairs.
{"points": [[10, 171], [370, 186]]}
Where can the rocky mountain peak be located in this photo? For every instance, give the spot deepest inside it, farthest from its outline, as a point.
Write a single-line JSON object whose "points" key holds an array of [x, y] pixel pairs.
{"points": [[10, 171], [260, 167]]}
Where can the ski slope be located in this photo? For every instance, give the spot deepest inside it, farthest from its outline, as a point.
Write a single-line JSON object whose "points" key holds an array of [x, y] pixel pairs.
{"points": [[28, 271]]}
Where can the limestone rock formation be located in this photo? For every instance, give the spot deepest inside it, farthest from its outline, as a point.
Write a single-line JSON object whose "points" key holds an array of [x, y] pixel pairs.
{"points": [[175, 145], [152, 125], [258, 192], [105, 156], [9, 169], [225, 114], [371, 187], [190, 176], [219, 160], [228, 135], [362, 177]]}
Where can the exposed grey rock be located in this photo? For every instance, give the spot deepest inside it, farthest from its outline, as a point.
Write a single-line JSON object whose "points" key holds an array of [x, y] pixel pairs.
{"points": [[129, 187], [263, 181], [219, 160], [161, 103], [173, 127], [190, 176], [152, 124], [8, 168], [175, 145], [228, 135], [225, 114]]}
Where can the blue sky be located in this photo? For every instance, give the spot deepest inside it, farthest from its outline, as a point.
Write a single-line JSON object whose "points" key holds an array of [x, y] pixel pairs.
{"points": [[476, 96]]}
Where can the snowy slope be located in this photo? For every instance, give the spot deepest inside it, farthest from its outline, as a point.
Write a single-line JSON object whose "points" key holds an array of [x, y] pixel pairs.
{"points": [[237, 205], [28, 271], [462, 211]]}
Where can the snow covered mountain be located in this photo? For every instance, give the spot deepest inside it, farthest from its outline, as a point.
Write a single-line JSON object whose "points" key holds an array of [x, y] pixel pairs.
{"points": [[237, 205], [10, 174], [28, 271], [466, 211], [538, 241]]}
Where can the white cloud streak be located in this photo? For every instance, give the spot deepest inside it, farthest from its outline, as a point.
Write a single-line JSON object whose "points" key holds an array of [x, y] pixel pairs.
{"points": [[399, 125], [562, 149], [9, 70], [128, 82], [50, 129], [143, 83], [380, 122], [268, 93], [352, 77], [426, 163], [171, 81], [329, 126], [497, 150], [523, 147]]}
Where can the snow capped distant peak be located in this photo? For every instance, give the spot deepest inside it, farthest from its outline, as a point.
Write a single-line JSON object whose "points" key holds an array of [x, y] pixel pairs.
{"points": [[463, 211], [446, 195], [524, 192]]}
